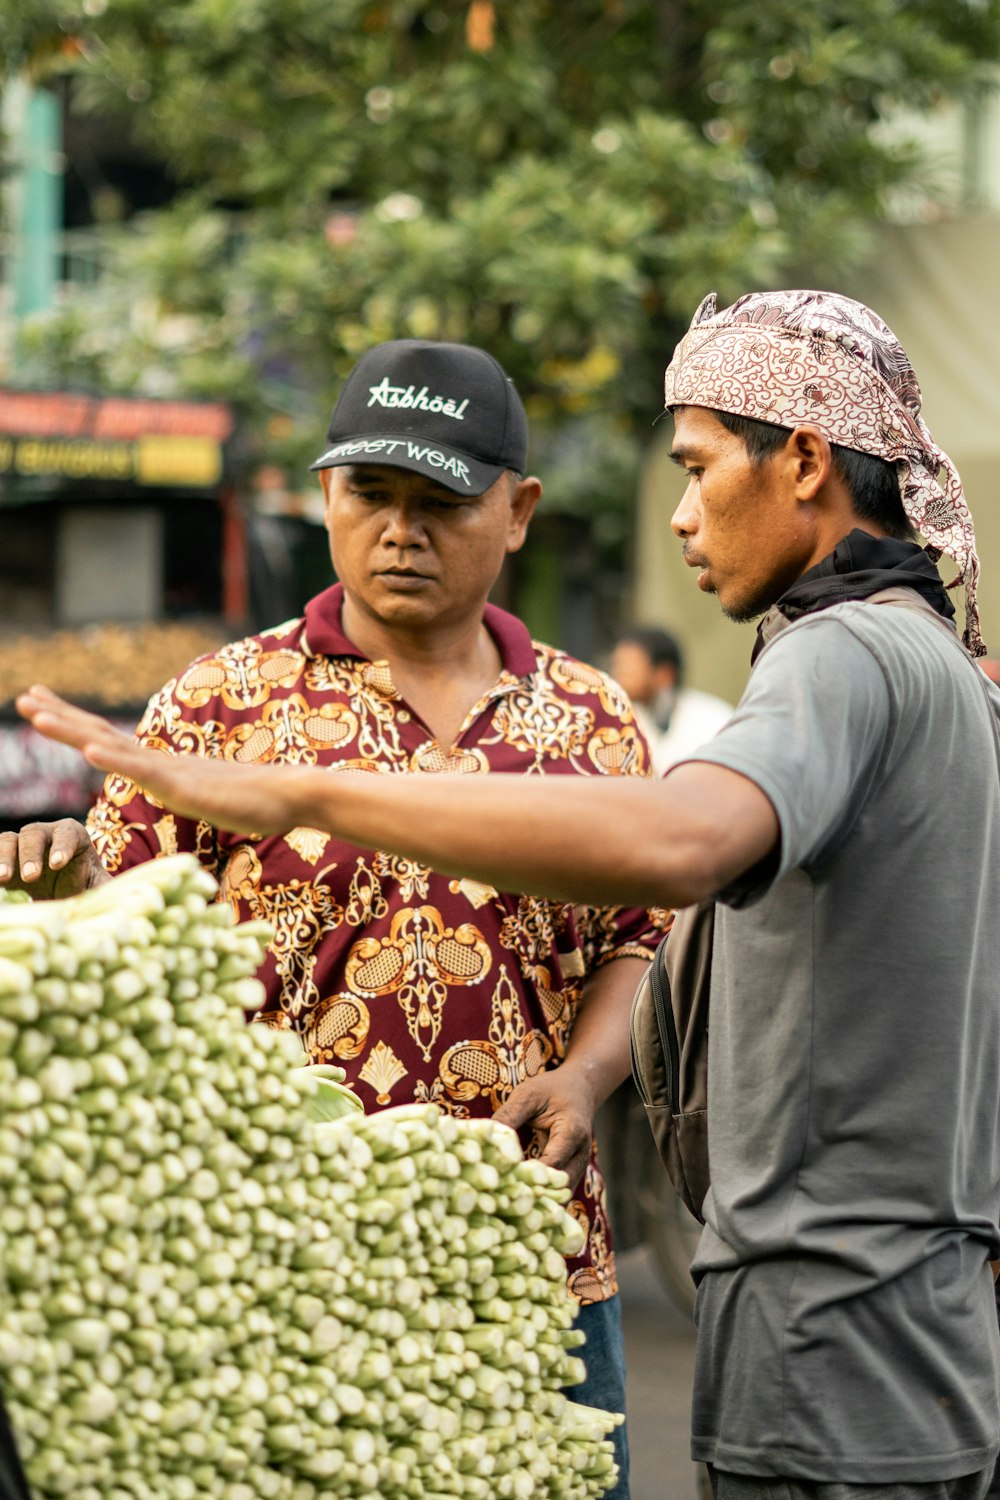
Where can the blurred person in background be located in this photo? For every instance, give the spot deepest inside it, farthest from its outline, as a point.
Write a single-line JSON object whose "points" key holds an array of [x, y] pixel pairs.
{"points": [[649, 664], [471, 996]]}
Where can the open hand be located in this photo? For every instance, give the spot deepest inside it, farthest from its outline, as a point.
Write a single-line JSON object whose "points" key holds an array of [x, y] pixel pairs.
{"points": [[237, 798], [62, 721]]}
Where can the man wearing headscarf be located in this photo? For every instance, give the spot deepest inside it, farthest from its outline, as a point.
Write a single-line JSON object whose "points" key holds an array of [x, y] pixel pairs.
{"points": [[847, 822], [846, 1335]]}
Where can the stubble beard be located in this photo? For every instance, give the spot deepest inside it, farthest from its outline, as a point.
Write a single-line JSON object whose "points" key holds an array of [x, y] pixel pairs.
{"points": [[742, 612]]}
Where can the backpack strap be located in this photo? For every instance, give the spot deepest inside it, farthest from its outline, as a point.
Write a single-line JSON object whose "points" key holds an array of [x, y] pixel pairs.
{"points": [[906, 598]]}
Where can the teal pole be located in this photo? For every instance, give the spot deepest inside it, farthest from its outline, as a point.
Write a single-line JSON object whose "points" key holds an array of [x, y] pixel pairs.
{"points": [[38, 204]]}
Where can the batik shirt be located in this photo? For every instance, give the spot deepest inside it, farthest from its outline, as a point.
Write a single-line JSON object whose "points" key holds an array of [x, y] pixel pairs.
{"points": [[421, 986]]}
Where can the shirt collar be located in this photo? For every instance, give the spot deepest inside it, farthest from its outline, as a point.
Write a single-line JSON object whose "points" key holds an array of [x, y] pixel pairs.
{"points": [[325, 635]]}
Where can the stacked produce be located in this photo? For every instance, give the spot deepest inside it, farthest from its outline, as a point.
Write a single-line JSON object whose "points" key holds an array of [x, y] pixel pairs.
{"points": [[210, 1286], [111, 665]]}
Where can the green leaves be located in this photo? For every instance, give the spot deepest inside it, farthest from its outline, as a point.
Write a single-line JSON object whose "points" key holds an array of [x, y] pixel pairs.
{"points": [[356, 172]]}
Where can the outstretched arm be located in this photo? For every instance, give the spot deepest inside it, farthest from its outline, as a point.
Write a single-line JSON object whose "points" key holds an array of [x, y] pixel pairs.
{"points": [[601, 840]]}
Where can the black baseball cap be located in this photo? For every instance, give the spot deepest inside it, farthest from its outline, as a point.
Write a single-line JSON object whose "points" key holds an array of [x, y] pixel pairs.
{"points": [[444, 410]]}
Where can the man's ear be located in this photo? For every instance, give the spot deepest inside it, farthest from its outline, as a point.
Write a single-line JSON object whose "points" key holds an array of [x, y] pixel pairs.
{"points": [[526, 495], [324, 480], [810, 460]]}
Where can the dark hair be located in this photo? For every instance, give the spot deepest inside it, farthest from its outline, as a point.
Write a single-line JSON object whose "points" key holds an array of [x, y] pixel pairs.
{"points": [[872, 481], [659, 645]]}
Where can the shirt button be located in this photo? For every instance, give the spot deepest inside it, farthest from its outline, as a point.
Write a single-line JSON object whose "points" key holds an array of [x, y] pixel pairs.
{"points": [[403, 716]]}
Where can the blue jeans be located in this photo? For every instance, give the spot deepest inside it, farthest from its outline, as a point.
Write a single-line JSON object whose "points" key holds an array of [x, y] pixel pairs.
{"points": [[604, 1387]]}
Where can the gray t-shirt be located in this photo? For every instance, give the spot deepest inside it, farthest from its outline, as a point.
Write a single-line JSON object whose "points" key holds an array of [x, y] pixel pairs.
{"points": [[846, 1323]]}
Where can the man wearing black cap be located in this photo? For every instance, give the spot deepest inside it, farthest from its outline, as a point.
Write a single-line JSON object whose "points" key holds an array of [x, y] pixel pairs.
{"points": [[422, 987]]}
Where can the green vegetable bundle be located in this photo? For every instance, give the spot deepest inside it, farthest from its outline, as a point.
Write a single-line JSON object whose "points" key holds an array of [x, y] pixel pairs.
{"points": [[215, 1288]]}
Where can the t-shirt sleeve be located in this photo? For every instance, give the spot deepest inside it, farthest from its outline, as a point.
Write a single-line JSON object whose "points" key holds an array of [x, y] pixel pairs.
{"points": [[809, 731]]}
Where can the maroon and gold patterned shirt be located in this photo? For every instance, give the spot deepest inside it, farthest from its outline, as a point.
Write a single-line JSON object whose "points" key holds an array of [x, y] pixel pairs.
{"points": [[423, 987]]}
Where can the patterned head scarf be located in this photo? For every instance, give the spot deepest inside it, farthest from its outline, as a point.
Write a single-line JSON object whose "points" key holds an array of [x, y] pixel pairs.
{"points": [[791, 357]]}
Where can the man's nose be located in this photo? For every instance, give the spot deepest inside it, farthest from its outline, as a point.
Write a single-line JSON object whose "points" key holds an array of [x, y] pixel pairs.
{"points": [[404, 526], [684, 521]]}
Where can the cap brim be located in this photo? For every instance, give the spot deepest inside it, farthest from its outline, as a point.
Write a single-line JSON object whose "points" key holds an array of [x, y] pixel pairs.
{"points": [[447, 466]]}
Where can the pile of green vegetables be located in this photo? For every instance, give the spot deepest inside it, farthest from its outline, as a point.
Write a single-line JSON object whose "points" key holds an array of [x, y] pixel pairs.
{"points": [[218, 1278]]}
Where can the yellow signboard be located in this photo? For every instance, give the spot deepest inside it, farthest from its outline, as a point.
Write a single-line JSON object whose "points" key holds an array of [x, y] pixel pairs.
{"points": [[194, 461], [187, 462], [75, 459], [70, 436]]}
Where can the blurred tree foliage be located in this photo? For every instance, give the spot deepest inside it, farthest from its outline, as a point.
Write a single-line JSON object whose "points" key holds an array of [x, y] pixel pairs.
{"points": [[560, 183]]}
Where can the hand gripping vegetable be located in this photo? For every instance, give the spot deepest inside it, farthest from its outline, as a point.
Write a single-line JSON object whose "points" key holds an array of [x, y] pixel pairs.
{"points": [[214, 1288]]}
